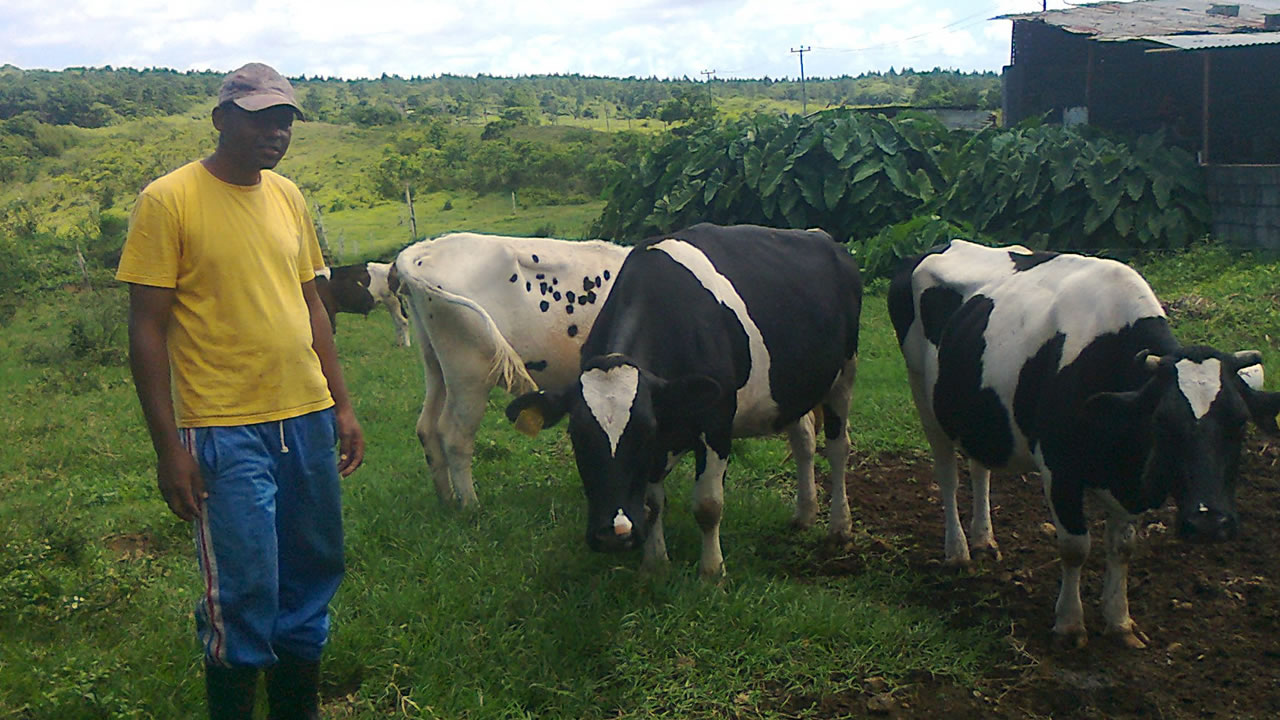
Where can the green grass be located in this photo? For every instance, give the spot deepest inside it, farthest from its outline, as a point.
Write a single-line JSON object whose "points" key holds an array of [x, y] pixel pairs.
{"points": [[500, 613]]}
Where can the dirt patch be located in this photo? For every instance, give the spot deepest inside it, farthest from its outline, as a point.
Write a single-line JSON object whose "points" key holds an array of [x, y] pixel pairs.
{"points": [[1212, 613], [131, 546]]}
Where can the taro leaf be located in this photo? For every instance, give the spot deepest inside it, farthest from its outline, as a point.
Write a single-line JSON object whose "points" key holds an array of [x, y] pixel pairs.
{"points": [[895, 168], [714, 182], [1123, 219], [1060, 210], [1161, 188], [792, 209], [811, 188], [1099, 212], [861, 191], [1063, 173], [924, 186], [681, 195], [833, 189], [854, 155], [866, 170], [774, 171], [806, 143], [839, 138], [885, 138], [1134, 183], [752, 166]]}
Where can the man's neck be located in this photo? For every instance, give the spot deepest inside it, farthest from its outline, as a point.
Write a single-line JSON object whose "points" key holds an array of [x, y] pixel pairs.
{"points": [[228, 172]]}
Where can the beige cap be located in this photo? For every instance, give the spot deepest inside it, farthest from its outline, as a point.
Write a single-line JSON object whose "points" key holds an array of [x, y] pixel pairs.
{"points": [[255, 87]]}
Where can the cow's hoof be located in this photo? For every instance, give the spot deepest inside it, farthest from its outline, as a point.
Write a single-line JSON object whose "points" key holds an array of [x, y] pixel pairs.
{"points": [[959, 562], [712, 575], [801, 523], [1131, 637], [1071, 638], [987, 552]]}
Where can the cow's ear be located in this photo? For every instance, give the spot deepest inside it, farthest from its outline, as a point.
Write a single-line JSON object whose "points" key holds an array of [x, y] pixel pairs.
{"points": [[685, 396], [534, 411], [1265, 409], [1116, 414]]}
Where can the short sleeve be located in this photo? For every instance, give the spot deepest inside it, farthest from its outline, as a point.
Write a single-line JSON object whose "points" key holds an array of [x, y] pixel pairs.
{"points": [[311, 260], [151, 249]]}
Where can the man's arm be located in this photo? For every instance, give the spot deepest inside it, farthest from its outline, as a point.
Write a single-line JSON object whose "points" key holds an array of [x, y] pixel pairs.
{"points": [[177, 472], [350, 435]]}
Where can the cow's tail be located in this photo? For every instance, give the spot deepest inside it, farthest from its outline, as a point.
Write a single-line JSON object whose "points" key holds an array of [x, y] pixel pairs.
{"points": [[507, 368]]}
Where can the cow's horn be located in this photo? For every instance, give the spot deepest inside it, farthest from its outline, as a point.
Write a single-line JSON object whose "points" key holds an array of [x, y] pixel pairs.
{"points": [[1247, 358], [1147, 360]]}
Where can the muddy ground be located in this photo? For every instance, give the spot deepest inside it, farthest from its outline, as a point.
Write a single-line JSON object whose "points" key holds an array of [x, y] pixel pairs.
{"points": [[1212, 613]]}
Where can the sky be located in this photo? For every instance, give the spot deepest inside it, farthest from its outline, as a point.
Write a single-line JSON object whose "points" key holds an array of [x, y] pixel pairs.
{"points": [[697, 39]]}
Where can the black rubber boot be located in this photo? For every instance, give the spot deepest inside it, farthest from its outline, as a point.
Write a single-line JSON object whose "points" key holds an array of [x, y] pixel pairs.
{"points": [[293, 688], [230, 691]]}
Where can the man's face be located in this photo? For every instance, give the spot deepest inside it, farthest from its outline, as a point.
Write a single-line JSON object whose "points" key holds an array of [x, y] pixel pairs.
{"points": [[255, 140]]}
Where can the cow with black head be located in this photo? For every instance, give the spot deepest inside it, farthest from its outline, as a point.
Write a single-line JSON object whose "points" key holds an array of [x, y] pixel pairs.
{"points": [[1066, 365], [710, 333], [358, 288]]}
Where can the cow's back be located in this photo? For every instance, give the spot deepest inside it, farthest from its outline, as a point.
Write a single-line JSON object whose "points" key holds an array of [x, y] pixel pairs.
{"points": [[1010, 343], [542, 294], [771, 313]]}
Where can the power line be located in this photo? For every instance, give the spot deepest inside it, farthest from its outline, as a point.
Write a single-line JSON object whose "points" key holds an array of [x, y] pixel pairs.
{"points": [[973, 19], [804, 94]]}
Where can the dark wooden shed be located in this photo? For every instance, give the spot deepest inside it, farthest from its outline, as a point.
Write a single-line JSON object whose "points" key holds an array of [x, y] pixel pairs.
{"points": [[1207, 73]]}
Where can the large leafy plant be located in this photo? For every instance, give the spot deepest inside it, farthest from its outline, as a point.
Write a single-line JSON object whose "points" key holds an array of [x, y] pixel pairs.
{"points": [[848, 173]]}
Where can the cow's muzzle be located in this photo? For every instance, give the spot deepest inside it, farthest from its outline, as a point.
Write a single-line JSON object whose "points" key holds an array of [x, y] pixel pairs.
{"points": [[1205, 525]]}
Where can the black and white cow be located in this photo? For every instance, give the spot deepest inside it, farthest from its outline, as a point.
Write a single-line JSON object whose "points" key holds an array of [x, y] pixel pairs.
{"points": [[1064, 364], [490, 310], [358, 288], [711, 333]]}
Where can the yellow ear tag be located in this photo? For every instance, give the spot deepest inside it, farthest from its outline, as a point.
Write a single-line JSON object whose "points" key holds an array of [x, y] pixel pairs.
{"points": [[530, 421]]}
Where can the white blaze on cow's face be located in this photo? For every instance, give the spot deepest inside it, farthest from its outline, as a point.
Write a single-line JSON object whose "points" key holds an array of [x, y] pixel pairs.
{"points": [[1199, 383], [609, 394]]}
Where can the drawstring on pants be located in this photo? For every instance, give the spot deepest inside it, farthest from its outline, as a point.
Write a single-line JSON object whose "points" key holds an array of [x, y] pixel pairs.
{"points": [[283, 448]]}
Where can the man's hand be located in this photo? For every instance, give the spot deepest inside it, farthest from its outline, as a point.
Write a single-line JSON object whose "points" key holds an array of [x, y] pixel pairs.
{"points": [[178, 475], [350, 441]]}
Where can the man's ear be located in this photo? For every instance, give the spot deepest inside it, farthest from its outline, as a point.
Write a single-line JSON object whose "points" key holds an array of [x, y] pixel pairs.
{"points": [[685, 396], [536, 410]]}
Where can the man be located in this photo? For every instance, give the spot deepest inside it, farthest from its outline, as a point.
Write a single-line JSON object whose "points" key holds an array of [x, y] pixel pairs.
{"points": [[220, 259]]}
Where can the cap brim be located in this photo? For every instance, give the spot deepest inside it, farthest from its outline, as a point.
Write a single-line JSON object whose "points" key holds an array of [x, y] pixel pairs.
{"points": [[262, 101]]}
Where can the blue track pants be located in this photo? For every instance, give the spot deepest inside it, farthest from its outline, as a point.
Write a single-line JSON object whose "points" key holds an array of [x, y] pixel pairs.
{"points": [[268, 538]]}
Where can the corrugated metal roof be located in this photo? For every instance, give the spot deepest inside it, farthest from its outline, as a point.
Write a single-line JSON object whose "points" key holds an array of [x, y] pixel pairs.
{"points": [[1143, 19], [1204, 41]]}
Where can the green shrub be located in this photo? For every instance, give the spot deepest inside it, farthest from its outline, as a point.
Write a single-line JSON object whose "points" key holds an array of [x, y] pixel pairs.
{"points": [[880, 254], [1080, 189]]}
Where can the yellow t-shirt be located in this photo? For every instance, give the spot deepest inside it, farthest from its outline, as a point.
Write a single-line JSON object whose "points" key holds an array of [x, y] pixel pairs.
{"points": [[240, 336]]}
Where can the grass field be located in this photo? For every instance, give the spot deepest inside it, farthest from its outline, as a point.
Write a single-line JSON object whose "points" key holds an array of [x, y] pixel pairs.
{"points": [[500, 613]]}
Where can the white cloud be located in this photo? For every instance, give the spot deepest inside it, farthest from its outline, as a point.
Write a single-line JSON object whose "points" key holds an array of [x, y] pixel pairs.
{"points": [[667, 38]]}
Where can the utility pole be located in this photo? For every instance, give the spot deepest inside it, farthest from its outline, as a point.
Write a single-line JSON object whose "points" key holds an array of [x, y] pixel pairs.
{"points": [[709, 74], [804, 94]]}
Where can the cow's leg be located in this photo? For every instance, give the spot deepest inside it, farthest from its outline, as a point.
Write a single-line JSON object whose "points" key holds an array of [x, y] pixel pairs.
{"points": [[1073, 550], [397, 318], [836, 448], [655, 544], [708, 505], [1121, 537], [463, 410], [804, 441], [945, 474], [982, 540], [429, 422]]}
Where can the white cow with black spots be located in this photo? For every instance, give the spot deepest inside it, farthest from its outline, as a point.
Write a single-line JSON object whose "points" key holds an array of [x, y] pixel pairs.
{"points": [[1066, 365], [490, 310]]}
